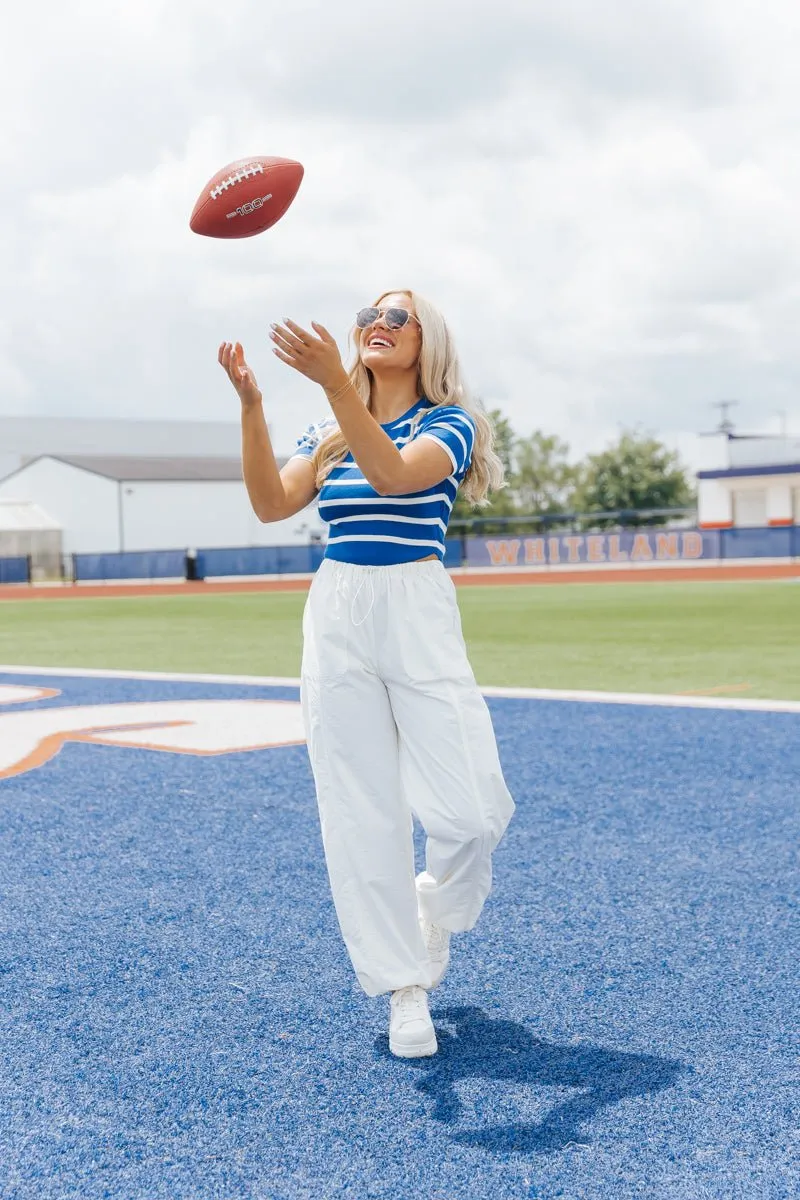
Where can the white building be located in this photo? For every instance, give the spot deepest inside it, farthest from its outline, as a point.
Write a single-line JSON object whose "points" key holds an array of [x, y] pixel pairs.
{"points": [[139, 485], [751, 482]]}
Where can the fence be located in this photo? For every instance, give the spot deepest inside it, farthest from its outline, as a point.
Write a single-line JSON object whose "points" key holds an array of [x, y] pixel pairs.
{"points": [[631, 546], [634, 546], [16, 570]]}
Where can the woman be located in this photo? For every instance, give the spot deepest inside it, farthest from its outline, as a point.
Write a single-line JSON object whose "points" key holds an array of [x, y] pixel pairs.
{"points": [[395, 722]]}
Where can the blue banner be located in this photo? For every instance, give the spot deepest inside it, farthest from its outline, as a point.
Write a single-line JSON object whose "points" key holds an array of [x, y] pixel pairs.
{"points": [[778, 542], [133, 564], [14, 570], [259, 560]]}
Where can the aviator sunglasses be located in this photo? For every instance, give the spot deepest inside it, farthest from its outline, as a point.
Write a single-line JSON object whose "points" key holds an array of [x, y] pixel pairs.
{"points": [[395, 318]]}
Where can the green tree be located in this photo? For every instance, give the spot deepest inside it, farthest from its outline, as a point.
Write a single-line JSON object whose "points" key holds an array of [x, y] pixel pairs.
{"points": [[538, 478], [637, 472], [501, 503], [542, 479]]}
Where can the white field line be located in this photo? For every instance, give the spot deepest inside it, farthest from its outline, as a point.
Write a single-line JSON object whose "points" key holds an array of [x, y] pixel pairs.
{"points": [[653, 700]]}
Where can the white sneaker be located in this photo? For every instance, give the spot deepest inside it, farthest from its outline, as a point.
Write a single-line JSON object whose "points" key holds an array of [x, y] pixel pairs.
{"points": [[411, 1032], [437, 943]]}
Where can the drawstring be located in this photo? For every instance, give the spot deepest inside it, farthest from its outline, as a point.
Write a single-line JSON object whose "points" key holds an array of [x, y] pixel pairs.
{"points": [[355, 597], [341, 592]]}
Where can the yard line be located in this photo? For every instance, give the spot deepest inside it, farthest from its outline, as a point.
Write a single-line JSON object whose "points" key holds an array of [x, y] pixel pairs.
{"points": [[645, 699]]}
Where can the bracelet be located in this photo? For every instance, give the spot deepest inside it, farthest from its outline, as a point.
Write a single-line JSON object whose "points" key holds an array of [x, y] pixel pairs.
{"points": [[332, 399]]}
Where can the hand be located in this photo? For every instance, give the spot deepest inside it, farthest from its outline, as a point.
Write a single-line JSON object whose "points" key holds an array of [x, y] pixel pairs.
{"points": [[317, 357], [231, 357]]}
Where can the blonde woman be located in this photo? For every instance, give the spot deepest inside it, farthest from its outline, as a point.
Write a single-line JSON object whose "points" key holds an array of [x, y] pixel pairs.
{"points": [[395, 722]]}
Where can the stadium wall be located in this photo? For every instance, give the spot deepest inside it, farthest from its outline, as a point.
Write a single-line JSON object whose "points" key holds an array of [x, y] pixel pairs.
{"points": [[632, 548]]}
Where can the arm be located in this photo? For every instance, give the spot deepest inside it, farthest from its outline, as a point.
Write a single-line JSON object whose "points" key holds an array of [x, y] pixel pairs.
{"points": [[391, 472], [274, 494]]}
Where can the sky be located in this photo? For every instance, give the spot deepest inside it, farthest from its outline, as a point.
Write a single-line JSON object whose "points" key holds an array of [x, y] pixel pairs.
{"points": [[602, 198]]}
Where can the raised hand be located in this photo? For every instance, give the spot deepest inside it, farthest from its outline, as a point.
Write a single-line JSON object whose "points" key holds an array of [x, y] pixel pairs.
{"points": [[231, 358], [314, 355]]}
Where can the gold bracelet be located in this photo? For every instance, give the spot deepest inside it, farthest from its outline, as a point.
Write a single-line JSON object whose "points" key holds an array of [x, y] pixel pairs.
{"points": [[332, 399]]}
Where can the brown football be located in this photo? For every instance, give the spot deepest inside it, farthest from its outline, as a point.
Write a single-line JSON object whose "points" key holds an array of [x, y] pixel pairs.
{"points": [[246, 197]]}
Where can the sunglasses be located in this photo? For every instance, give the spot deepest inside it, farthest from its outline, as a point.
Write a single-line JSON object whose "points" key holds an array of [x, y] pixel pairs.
{"points": [[395, 318]]}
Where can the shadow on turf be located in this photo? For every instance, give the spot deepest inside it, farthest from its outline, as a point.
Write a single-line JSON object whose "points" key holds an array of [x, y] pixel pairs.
{"points": [[473, 1045]]}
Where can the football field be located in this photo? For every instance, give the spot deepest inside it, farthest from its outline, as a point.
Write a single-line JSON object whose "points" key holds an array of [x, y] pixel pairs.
{"points": [[179, 1017], [721, 638]]}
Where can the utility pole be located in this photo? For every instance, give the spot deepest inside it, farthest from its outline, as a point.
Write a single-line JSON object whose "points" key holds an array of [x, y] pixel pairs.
{"points": [[725, 423]]}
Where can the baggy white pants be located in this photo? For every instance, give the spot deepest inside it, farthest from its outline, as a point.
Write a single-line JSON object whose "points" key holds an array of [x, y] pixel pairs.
{"points": [[396, 725]]}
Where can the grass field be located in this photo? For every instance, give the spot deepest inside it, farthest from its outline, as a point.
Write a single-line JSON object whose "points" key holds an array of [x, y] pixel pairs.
{"points": [[723, 638]]}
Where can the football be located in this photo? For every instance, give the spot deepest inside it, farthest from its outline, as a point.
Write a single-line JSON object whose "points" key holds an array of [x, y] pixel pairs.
{"points": [[246, 197]]}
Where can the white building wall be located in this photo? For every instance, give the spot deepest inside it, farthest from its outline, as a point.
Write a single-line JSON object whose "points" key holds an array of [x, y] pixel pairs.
{"points": [[178, 515], [779, 499], [84, 505], [714, 504]]}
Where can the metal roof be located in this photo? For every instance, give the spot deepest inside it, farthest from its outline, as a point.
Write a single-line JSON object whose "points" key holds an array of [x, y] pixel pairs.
{"points": [[32, 437], [134, 469], [24, 516]]}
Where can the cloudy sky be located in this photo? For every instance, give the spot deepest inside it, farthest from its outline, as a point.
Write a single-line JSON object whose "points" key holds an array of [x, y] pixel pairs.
{"points": [[603, 198]]}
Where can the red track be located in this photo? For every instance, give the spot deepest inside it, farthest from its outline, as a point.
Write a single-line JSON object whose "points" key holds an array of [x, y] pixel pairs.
{"points": [[496, 577]]}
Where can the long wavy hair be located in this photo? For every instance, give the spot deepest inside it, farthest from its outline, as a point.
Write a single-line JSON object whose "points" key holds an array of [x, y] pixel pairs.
{"points": [[439, 379]]}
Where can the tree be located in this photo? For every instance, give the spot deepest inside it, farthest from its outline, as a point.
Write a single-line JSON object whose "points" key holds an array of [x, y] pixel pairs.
{"points": [[501, 503], [542, 478], [538, 477], [638, 472]]}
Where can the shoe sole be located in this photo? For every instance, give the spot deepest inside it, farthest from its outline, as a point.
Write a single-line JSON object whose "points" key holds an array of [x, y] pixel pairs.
{"points": [[423, 1051]]}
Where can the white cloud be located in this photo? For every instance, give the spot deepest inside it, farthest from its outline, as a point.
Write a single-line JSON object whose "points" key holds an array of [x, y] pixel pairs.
{"points": [[601, 198]]}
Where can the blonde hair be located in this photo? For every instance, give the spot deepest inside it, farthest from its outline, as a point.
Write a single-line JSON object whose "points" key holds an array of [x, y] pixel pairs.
{"points": [[439, 380]]}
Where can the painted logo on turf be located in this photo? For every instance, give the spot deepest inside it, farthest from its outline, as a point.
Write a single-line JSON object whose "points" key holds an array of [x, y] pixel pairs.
{"points": [[32, 737]]}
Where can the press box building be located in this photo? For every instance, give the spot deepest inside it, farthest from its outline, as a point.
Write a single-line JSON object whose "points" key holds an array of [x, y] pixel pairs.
{"points": [[749, 482]]}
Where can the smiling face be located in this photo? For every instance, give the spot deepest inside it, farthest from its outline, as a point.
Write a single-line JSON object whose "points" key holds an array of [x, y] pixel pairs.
{"points": [[385, 349]]}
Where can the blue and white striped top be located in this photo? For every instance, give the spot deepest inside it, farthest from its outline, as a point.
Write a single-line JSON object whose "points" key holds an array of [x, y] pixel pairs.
{"points": [[378, 530]]}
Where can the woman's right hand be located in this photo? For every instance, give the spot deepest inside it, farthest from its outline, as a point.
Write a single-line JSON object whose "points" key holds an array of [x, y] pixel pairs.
{"points": [[231, 358]]}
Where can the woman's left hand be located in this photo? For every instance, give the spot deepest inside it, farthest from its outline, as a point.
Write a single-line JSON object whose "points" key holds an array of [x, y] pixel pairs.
{"points": [[314, 355]]}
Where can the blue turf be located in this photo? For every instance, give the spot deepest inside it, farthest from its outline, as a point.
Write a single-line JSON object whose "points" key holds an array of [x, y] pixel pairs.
{"points": [[179, 1018]]}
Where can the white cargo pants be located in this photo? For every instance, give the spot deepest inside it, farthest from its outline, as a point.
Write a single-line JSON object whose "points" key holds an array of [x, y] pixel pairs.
{"points": [[396, 725]]}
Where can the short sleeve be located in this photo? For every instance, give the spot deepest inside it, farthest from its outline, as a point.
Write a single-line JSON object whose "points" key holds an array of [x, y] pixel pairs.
{"points": [[454, 429], [310, 438]]}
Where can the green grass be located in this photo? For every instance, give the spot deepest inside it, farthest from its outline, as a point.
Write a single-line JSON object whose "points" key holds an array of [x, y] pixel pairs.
{"points": [[671, 637]]}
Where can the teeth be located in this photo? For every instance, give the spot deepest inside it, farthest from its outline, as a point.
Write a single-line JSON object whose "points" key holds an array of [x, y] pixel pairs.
{"points": [[379, 342]]}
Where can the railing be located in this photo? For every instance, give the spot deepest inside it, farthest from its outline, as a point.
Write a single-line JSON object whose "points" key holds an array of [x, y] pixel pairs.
{"points": [[574, 522]]}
